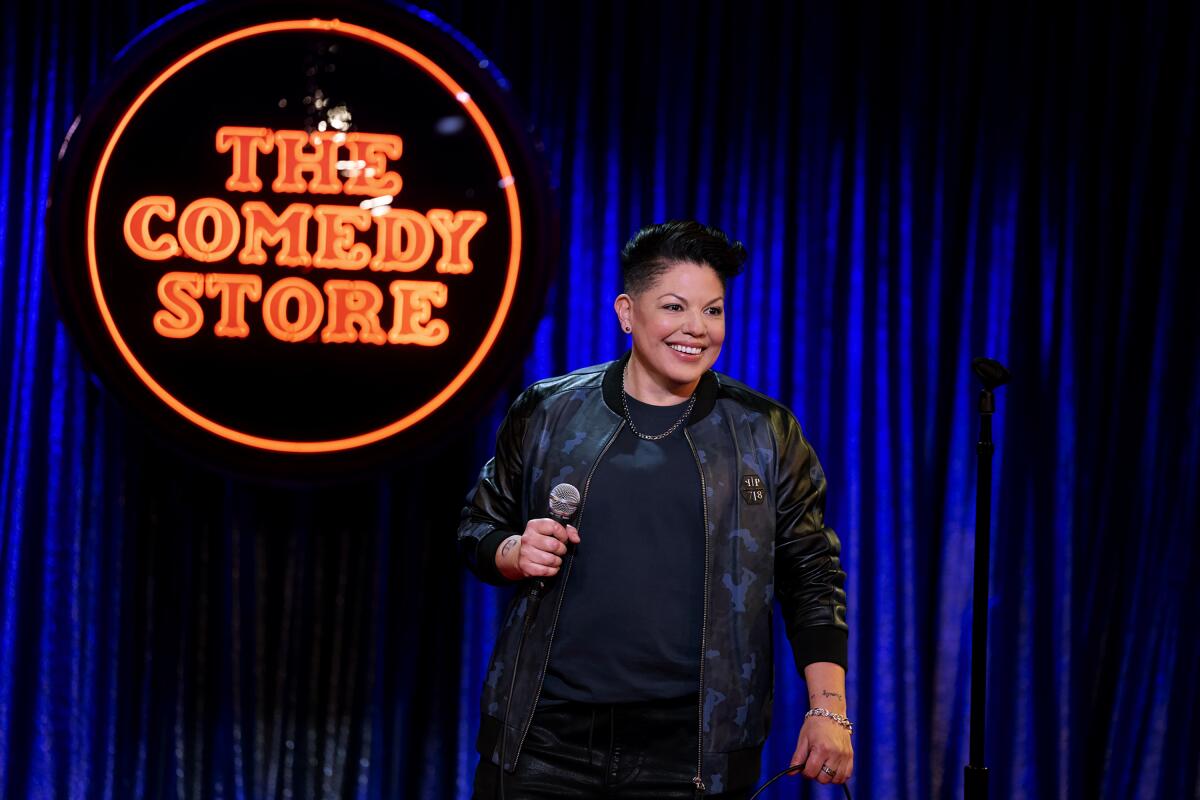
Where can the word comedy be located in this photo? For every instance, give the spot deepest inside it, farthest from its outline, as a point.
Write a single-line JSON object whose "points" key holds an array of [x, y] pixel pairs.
{"points": [[293, 308]]}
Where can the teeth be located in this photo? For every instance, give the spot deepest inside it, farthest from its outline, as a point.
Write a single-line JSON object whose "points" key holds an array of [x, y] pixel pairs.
{"points": [[694, 351]]}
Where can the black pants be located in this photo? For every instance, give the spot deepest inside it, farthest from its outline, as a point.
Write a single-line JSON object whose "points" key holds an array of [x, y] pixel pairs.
{"points": [[630, 751]]}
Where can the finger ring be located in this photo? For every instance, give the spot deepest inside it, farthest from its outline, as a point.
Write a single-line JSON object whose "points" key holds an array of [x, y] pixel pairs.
{"points": [[830, 772]]}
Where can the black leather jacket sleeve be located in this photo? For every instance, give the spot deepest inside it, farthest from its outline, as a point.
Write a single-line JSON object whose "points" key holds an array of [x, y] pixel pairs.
{"points": [[493, 508], [809, 580]]}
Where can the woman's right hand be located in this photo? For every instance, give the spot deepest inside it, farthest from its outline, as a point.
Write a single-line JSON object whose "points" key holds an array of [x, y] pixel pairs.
{"points": [[536, 553]]}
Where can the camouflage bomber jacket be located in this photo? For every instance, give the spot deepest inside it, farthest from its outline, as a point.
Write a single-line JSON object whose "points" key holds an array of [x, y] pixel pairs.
{"points": [[764, 502]]}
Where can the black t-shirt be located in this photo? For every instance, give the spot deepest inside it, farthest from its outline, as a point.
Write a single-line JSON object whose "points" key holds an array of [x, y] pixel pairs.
{"points": [[629, 629]]}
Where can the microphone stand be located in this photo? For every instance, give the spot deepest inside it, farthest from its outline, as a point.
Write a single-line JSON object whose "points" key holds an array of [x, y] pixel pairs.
{"points": [[993, 375]]}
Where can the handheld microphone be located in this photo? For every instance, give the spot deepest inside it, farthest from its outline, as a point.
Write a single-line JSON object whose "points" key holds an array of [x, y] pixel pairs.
{"points": [[564, 502]]}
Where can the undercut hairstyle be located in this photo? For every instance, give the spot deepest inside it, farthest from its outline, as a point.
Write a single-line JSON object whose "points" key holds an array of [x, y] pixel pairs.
{"points": [[653, 249]]}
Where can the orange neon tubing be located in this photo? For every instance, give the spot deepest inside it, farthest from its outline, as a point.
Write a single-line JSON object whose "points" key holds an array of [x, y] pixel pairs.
{"points": [[510, 284]]}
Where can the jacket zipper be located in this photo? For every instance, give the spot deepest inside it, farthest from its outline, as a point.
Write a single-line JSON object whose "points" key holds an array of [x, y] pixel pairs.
{"points": [[699, 779], [561, 590]]}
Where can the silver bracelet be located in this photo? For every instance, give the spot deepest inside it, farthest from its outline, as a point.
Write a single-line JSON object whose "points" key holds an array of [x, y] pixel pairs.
{"points": [[837, 718]]}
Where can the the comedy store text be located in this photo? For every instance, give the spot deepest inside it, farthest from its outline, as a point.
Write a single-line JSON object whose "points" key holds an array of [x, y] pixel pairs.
{"points": [[347, 240]]}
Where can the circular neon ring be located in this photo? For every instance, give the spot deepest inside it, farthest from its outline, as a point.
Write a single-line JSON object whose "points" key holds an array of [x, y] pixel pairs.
{"points": [[510, 284]]}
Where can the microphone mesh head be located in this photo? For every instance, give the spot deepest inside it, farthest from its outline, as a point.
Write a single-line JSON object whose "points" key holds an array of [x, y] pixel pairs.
{"points": [[564, 501]]}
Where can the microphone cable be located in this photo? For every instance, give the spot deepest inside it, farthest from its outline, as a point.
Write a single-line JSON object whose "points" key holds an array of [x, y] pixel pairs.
{"points": [[778, 775]]}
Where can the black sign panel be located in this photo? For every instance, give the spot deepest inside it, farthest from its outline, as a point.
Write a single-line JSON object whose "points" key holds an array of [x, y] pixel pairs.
{"points": [[287, 233]]}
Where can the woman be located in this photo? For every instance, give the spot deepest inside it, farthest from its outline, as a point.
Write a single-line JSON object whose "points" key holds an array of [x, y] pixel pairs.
{"points": [[637, 660]]}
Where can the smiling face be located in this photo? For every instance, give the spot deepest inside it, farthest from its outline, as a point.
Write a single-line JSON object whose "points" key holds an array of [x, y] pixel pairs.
{"points": [[678, 327]]}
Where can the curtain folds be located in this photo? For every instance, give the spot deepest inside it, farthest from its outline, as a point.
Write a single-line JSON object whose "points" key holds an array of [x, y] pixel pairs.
{"points": [[917, 184]]}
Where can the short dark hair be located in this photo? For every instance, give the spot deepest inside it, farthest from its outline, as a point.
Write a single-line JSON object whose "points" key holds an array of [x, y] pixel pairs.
{"points": [[650, 251]]}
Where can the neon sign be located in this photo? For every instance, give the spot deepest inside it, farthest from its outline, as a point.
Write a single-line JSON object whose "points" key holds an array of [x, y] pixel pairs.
{"points": [[210, 229], [301, 232]]}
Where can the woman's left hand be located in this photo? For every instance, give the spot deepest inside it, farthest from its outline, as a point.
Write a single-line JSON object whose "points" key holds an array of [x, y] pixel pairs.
{"points": [[824, 743]]}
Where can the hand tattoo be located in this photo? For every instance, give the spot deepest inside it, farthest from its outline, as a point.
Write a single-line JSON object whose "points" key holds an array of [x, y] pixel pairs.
{"points": [[508, 545]]}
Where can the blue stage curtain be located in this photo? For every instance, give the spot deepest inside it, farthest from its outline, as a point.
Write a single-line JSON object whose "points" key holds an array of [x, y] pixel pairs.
{"points": [[918, 183]]}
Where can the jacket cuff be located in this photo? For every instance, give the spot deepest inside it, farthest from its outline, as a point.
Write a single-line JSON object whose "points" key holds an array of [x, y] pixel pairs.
{"points": [[821, 643], [485, 557]]}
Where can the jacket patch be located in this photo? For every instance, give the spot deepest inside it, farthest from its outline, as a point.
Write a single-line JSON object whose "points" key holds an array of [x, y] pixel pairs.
{"points": [[752, 489]]}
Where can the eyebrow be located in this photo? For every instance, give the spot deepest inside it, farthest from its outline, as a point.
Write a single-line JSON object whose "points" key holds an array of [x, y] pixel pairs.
{"points": [[684, 299]]}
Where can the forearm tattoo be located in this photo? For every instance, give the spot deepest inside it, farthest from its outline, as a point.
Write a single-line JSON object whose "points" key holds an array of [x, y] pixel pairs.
{"points": [[825, 693], [508, 545]]}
